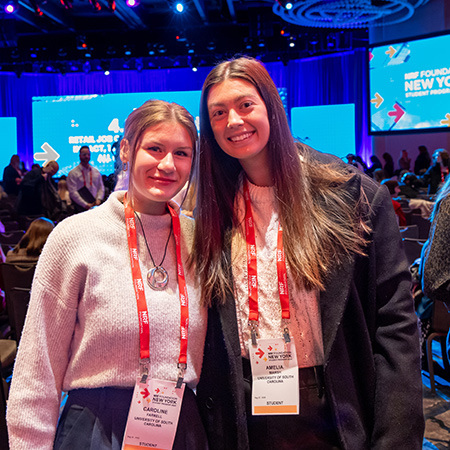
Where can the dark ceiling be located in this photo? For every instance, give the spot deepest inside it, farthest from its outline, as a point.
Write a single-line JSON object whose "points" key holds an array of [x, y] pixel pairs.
{"points": [[59, 35]]}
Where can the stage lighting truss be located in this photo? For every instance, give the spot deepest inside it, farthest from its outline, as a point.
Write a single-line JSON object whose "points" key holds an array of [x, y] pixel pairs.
{"points": [[346, 13]]}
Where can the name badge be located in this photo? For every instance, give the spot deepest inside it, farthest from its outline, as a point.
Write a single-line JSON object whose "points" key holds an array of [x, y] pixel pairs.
{"points": [[275, 388], [153, 416]]}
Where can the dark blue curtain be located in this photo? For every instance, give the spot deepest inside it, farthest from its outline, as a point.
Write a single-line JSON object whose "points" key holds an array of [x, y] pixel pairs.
{"points": [[322, 80]]}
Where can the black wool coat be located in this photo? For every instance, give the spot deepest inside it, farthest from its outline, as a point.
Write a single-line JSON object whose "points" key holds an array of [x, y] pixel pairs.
{"points": [[371, 346]]}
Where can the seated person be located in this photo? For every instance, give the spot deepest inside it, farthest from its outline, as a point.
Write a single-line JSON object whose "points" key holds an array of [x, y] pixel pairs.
{"points": [[410, 185], [394, 190], [30, 246]]}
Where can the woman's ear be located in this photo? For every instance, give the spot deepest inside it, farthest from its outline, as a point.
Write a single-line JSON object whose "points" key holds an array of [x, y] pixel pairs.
{"points": [[124, 151]]}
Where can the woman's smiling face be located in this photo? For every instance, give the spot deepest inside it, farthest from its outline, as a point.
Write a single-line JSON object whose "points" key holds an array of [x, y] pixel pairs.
{"points": [[238, 117]]}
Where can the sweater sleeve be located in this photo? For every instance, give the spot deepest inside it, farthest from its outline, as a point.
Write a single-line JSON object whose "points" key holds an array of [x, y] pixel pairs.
{"points": [[44, 350]]}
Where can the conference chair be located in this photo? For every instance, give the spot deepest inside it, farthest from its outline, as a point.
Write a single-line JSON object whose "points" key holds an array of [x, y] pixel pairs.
{"points": [[17, 279], [440, 325], [413, 248]]}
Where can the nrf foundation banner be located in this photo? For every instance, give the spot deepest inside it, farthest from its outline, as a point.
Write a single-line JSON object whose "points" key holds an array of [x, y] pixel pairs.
{"points": [[410, 85]]}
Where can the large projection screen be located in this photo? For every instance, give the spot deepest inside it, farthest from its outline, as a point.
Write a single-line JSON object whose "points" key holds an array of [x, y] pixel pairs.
{"points": [[409, 86], [66, 123], [327, 128], [8, 132]]}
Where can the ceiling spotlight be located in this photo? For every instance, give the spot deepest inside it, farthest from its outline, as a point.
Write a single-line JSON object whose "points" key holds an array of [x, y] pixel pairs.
{"points": [[292, 41], [10, 8], [126, 50], [132, 3], [288, 6], [179, 7]]}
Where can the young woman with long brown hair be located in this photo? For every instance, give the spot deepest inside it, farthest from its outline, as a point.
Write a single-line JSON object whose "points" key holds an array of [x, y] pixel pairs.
{"points": [[271, 210]]}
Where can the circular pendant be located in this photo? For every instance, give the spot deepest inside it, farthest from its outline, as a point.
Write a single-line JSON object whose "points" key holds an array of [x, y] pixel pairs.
{"points": [[157, 278]]}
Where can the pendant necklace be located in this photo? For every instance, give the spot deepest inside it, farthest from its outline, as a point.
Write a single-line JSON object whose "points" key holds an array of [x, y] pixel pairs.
{"points": [[157, 277]]}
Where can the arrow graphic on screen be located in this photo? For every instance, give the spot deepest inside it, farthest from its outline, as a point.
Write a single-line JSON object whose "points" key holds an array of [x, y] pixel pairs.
{"points": [[446, 122], [391, 52], [397, 113], [378, 100], [49, 154]]}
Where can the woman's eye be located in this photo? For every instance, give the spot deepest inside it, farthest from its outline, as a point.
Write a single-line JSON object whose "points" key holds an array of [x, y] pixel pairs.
{"points": [[247, 104], [182, 153], [218, 113], [153, 149]]}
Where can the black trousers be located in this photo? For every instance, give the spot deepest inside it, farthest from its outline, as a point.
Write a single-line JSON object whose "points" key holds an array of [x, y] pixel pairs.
{"points": [[95, 419], [312, 429]]}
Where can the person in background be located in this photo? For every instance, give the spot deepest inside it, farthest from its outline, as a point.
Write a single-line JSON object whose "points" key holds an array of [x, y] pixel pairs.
{"points": [[12, 177], [83, 334], [64, 196], [434, 176], [404, 162], [378, 175], [422, 161], [32, 242], [376, 164], [388, 167], [85, 183], [310, 247], [38, 193], [394, 190]]}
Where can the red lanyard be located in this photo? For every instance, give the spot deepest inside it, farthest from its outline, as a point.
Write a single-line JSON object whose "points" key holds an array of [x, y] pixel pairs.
{"points": [[90, 177], [252, 270], [144, 329]]}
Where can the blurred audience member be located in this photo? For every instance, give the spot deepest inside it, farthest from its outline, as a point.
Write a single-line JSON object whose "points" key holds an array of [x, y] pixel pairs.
{"points": [[388, 165], [422, 161], [38, 193], [376, 164], [404, 162], [30, 246], [12, 176], [409, 185], [85, 183], [433, 177], [378, 175], [64, 196], [394, 190]]}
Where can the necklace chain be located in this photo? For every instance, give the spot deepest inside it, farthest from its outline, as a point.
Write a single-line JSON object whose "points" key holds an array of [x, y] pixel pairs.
{"points": [[146, 243]]}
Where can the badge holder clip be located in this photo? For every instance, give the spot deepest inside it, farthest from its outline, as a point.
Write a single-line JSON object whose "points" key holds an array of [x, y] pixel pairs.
{"points": [[144, 370], [253, 331], [181, 371]]}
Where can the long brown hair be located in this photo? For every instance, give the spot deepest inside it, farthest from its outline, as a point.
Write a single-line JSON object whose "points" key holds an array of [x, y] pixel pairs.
{"points": [[35, 237], [321, 225]]}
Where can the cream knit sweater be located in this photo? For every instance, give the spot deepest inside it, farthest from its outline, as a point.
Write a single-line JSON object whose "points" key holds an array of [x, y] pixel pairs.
{"points": [[305, 325], [81, 329]]}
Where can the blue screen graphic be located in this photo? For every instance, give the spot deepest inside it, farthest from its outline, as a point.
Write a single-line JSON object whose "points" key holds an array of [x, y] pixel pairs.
{"points": [[327, 128], [8, 132], [64, 124], [410, 85]]}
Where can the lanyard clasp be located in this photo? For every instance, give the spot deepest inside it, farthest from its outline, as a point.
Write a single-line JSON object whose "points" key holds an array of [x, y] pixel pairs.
{"points": [[181, 372], [144, 369], [253, 331]]}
